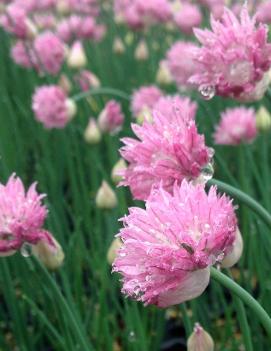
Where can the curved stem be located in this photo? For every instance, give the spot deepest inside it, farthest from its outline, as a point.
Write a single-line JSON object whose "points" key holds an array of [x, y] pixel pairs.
{"points": [[101, 91], [245, 199], [246, 298]]}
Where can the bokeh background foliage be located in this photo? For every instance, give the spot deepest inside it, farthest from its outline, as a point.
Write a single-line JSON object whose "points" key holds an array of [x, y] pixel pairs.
{"points": [[39, 310]]}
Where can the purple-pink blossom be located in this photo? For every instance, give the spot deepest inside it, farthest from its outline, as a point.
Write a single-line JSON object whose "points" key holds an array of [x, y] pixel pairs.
{"points": [[50, 52], [52, 107], [167, 150], [235, 57], [111, 118], [144, 99], [22, 217], [187, 17], [181, 63], [237, 125], [169, 105], [169, 246]]}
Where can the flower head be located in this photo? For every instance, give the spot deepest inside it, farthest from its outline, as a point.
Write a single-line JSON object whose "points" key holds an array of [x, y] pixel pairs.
{"points": [[169, 246], [187, 17], [145, 98], [50, 52], [235, 57], [237, 125], [167, 150], [111, 118], [22, 216], [52, 107], [181, 62], [87, 80]]}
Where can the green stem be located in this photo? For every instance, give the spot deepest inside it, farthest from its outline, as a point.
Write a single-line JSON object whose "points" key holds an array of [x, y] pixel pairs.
{"points": [[242, 317], [85, 345], [245, 199], [101, 91], [245, 297]]}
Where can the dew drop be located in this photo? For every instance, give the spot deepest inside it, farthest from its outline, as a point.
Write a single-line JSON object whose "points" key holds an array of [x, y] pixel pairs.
{"points": [[132, 336], [26, 250], [207, 91], [207, 172]]}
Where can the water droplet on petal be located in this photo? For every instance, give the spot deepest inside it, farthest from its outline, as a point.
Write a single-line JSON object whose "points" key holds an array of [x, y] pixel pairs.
{"points": [[207, 172], [207, 91], [26, 250], [132, 336]]}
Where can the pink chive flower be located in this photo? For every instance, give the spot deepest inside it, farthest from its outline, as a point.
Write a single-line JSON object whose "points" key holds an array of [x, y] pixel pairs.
{"points": [[169, 246], [145, 98], [237, 125], [22, 217], [22, 54], [111, 118], [264, 12], [52, 107], [78, 27], [181, 63], [235, 57], [168, 106], [14, 21], [50, 52], [168, 150], [87, 80], [188, 17]]}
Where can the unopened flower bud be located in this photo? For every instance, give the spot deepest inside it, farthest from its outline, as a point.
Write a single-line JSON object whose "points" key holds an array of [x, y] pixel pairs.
{"points": [[65, 83], [92, 133], [112, 251], [51, 257], [263, 119], [233, 257], [71, 108], [77, 57], [200, 340], [163, 75], [119, 167], [106, 198], [118, 46], [142, 51]]}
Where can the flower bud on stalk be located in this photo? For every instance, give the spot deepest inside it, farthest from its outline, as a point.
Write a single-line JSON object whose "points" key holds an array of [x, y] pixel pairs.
{"points": [[263, 119], [106, 198], [200, 340], [142, 51], [92, 133], [77, 57]]}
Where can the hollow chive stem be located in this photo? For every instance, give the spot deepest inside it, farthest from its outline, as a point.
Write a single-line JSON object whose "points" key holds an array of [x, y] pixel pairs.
{"points": [[245, 199], [245, 297]]}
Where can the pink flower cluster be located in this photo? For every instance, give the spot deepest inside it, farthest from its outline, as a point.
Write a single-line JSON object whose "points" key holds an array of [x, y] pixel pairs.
{"points": [[111, 118], [52, 107], [237, 125], [234, 57], [66, 21], [145, 98], [188, 16], [181, 63], [22, 217], [169, 246], [168, 149], [140, 14]]}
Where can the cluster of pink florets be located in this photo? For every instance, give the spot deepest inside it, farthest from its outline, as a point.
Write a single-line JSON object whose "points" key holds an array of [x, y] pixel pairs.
{"points": [[22, 217], [169, 246], [67, 21]]}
